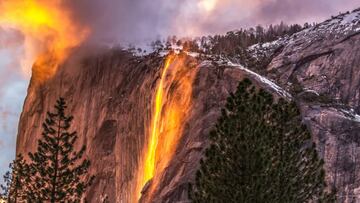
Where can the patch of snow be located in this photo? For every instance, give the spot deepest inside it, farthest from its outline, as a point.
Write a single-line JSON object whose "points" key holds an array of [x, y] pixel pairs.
{"points": [[337, 27], [141, 48], [311, 91], [350, 18], [176, 47], [264, 80], [266, 49], [163, 53], [192, 54], [342, 24], [205, 63], [177, 51], [350, 114]]}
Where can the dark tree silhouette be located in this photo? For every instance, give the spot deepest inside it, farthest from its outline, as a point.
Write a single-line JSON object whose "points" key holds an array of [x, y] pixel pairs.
{"points": [[58, 173], [260, 152], [15, 180]]}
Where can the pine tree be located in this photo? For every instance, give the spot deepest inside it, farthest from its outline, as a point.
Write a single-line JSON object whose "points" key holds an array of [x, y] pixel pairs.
{"points": [[5, 188], [58, 173], [15, 179], [260, 152]]}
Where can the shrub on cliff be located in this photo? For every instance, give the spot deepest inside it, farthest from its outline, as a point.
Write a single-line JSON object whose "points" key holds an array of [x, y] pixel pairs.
{"points": [[260, 152]]}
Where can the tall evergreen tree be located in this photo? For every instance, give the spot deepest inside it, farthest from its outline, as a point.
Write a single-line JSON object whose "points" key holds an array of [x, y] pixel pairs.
{"points": [[57, 171], [5, 188], [260, 152]]}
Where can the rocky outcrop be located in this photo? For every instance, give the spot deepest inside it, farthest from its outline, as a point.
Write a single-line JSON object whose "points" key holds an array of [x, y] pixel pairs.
{"points": [[111, 96], [320, 67], [323, 73]]}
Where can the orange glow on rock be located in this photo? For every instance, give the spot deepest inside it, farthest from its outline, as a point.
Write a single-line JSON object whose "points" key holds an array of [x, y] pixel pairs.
{"points": [[172, 104], [49, 33]]}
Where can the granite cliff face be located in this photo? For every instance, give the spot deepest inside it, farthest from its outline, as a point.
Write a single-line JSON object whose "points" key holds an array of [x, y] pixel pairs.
{"points": [[321, 67], [112, 96]]}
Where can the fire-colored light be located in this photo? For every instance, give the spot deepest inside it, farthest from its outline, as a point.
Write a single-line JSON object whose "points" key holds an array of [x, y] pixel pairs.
{"points": [[208, 5], [173, 100], [49, 32], [156, 125]]}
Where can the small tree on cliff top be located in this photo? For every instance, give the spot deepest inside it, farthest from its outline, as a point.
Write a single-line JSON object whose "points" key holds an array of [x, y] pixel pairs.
{"points": [[57, 171], [260, 152]]}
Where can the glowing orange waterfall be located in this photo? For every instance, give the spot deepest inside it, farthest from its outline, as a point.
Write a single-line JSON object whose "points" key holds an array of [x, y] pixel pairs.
{"points": [[171, 108]]}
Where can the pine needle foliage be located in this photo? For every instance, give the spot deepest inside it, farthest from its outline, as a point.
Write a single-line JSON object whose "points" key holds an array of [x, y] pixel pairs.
{"points": [[15, 179], [260, 153], [58, 173]]}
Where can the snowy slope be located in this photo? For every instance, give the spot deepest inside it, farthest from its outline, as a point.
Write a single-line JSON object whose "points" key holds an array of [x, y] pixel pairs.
{"points": [[338, 28]]}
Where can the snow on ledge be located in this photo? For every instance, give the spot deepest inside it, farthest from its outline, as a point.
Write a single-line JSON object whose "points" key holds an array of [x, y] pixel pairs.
{"points": [[350, 114], [264, 80], [280, 91]]}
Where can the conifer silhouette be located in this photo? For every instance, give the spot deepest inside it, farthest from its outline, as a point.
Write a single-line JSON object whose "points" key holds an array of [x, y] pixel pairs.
{"points": [[57, 171], [260, 153], [15, 179]]}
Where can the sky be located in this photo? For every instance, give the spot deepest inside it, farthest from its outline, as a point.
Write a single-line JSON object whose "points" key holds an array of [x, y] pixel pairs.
{"points": [[129, 21], [13, 85]]}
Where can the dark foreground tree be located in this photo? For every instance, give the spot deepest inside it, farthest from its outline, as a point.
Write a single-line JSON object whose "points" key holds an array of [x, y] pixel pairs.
{"points": [[260, 153], [13, 189], [57, 171]]}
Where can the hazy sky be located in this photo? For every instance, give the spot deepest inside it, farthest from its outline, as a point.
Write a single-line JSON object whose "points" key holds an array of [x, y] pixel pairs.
{"points": [[137, 20], [114, 21]]}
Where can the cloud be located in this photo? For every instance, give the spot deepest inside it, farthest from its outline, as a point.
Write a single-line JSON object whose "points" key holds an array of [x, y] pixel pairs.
{"points": [[10, 38], [302, 11], [11, 52], [131, 21], [235, 14], [12, 92], [124, 20]]}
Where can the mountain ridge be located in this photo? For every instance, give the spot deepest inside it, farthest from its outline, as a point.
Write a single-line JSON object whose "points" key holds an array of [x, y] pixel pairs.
{"points": [[318, 67]]}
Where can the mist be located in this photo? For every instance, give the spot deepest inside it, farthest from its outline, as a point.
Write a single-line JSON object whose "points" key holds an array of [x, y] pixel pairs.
{"points": [[128, 21], [135, 21]]}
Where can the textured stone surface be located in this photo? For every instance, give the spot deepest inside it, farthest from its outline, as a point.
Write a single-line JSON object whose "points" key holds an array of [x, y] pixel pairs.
{"points": [[326, 74], [111, 97]]}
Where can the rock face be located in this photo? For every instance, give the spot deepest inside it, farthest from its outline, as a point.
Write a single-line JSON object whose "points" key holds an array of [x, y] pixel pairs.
{"points": [[111, 96], [323, 71], [105, 94]]}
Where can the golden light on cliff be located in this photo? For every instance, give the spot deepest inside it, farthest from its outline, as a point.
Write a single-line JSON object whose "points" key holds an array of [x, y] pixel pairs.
{"points": [[49, 33], [155, 126], [172, 103]]}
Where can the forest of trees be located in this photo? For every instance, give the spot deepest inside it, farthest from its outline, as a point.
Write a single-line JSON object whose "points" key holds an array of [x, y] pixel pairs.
{"points": [[260, 152], [233, 45], [233, 42], [56, 172]]}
